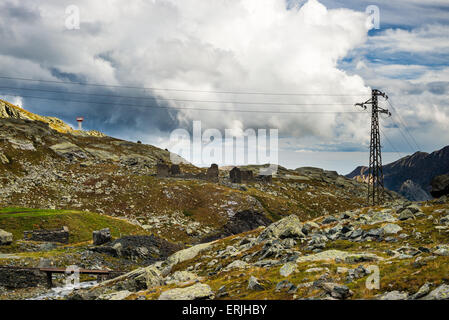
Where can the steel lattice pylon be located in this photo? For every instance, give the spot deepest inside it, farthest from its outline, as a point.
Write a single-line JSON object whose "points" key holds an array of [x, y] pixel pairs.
{"points": [[375, 172]]}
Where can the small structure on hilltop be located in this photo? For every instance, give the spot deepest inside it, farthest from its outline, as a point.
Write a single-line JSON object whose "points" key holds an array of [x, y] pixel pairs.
{"points": [[247, 175], [241, 176], [162, 170], [265, 178], [235, 175], [212, 173], [80, 123], [51, 235], [165, 171], [175, 170]]}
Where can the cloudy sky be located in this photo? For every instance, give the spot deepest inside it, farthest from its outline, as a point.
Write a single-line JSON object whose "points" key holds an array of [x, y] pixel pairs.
{"points": [[149, 67]]}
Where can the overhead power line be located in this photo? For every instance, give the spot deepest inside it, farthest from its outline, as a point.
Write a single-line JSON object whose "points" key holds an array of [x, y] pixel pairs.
{"points": [[186, 108], [176, 100], [405, 126], [182, 90], [390, 143]]}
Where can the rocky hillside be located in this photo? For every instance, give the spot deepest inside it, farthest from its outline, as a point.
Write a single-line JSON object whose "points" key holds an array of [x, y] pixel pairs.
{"points": [[10, 111], [411, 176], [395, 252], [118, 178]]}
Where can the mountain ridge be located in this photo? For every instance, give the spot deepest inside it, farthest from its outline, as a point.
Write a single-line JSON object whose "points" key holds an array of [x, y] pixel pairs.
{"points": [[419, 168], [11, 111]]}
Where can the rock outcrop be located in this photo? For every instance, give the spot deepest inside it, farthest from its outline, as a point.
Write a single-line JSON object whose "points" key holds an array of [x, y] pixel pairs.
{"points": [[5, 238], [440, 186], [101, 236]]}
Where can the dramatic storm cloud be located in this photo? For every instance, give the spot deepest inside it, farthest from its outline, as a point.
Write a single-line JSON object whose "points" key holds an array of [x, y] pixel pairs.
{"points": [[206, 48]]}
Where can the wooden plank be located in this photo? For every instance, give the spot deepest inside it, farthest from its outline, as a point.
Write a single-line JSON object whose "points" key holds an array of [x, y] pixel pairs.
{"points": [[83, 271]]}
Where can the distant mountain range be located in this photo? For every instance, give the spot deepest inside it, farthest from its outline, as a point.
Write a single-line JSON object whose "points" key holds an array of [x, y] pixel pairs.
{"points": [[411, 176]]}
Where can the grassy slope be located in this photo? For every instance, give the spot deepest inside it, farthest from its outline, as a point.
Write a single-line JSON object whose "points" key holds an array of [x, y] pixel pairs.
{"points": [[81, 224]]}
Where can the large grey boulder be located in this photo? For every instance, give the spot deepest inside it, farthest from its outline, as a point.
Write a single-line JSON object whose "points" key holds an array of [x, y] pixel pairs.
{"points": [[348, 257], [114, 296], [391, 228], [289, 227], [394, 295], [287, 269], [101, 236], [440, 293], [69, 150], [187, 254], [337, 291], [440, 186], [254, 285], [5, 238], [198, 291]]}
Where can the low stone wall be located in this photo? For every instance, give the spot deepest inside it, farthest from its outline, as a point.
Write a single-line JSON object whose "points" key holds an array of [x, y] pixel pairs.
{"points": [[56, 235], [16, 278]]}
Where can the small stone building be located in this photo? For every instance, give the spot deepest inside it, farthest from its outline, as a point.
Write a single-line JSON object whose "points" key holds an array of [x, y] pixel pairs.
{"points": [[162, 170], [175, 170], [212, 173], [51, 235], [235, 175]]}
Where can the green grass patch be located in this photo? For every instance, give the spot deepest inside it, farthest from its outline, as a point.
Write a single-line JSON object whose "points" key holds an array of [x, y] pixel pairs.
{"points": [[81, 224]]}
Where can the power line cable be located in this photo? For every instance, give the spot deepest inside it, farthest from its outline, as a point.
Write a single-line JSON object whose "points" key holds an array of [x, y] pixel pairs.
{"points": [[182, 90], [390, 143], [183, 108], [178, 100], [405, 126], [398, 126]]}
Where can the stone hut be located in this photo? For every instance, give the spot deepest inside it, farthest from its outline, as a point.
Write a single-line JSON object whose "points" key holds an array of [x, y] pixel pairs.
{"points": [[265, 178], [247, 175], [162, 170], [175, 170], [212, 173], [235, 175]]}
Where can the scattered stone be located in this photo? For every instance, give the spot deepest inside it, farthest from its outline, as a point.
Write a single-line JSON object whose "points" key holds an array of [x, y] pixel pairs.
{"points": [[114, 296], [181, 276], [222, 292], [289, 227], [5, 238], [287, 269], [342, 270], [406, 215], [440, 293], [254, 285], [314, 270], [287, 286], [440, 186], [197, 291], [391, 228], [394, 295], [237, 264], [442, 250], [337, 291], [445, 220], [424, 290], [341, 255], [101, 236], [329, 220]]}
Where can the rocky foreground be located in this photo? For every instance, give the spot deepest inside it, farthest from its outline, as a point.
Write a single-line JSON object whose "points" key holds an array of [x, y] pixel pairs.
{"points": [[332, 257]]}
